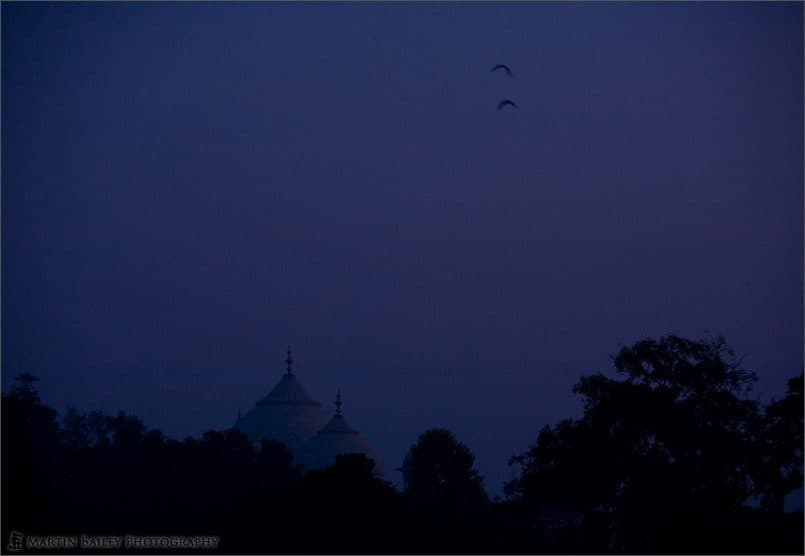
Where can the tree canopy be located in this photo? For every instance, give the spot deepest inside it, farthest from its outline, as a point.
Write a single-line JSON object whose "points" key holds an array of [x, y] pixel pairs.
{"points": [[672, 440], [440, 475], [671, 454]]}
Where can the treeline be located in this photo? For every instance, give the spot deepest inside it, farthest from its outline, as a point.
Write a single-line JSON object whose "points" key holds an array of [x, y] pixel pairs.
{"points": [[672, 456]]}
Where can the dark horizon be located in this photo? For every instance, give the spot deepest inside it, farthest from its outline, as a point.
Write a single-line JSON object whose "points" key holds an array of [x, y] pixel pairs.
{"points": [[189, 188]]}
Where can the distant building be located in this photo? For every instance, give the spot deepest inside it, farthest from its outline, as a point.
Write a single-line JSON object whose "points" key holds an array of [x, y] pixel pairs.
{"points": [[336, 437], [289, 415]]}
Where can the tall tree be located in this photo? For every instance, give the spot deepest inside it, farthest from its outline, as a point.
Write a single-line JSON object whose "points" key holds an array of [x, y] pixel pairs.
{"points": [[32, 456], [668, 443], [440, 475], [779, 469]]}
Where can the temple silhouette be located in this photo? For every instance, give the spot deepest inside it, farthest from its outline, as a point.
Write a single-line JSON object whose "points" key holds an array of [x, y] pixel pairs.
{"points": [[288, 414]]}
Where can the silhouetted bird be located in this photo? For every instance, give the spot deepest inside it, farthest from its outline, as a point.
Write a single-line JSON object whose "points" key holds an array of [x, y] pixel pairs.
{"points": [[504, 67], [506, 102]]}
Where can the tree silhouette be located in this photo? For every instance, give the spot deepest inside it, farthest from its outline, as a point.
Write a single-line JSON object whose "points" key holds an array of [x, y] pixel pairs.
{"points": [[655, 454], [440, 475], [661, 460], [76, 429], [354, 511], [779, 469], [32, 454], [274, 466], [24, 390]]}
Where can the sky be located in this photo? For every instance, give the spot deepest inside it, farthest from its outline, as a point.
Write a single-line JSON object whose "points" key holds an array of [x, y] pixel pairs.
{"points": [[187, 188]]}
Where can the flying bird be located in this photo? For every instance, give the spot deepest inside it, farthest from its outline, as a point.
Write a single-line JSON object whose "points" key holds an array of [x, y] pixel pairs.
{"points": [[504, 67], [506, 102]]}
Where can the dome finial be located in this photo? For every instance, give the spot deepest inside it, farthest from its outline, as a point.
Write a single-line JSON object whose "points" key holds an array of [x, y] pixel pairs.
{"points": [[338, 403], [289, 361]]}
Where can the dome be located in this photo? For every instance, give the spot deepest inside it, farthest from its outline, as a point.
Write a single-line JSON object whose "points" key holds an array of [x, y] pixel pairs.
{"points": [[335, 438], [287, 414]]}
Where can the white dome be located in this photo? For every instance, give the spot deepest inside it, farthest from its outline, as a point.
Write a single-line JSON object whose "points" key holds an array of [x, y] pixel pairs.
{"points": [[335, 438]]}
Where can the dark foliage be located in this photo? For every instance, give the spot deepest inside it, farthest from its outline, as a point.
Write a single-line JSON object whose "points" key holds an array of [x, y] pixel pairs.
{"points": [[663, 460], [440, 476], [95, 474], [444, 492], [666, 458], [778, 468]]}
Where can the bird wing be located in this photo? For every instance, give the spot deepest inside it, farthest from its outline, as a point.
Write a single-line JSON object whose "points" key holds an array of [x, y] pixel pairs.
{"points": [[505, 68], [506, 102]]}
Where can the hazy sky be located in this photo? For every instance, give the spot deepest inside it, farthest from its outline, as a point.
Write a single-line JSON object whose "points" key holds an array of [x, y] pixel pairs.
{"points": [[187, 188]]}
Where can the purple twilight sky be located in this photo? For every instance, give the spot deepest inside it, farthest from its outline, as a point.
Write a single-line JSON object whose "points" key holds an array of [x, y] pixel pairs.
{"points": [[187, 188]]}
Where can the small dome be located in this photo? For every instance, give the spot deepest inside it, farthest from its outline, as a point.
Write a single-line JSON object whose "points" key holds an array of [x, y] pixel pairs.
{"points": [[335, 438], [287, 414]]}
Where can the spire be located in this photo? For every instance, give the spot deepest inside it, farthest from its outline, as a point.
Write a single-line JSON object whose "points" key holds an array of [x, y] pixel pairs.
{"points": [[289, 361], [338, 403]]}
